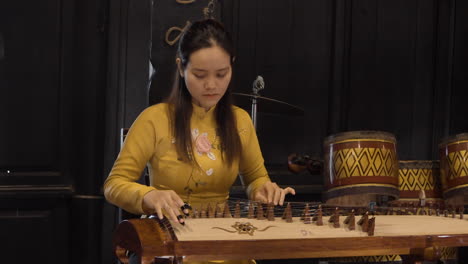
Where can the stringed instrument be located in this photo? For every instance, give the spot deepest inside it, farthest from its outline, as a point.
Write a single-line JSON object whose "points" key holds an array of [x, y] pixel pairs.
{"points": [[243, 229]]}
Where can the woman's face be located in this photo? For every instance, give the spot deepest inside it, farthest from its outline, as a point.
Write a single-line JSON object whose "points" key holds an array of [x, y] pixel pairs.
{"points": [[207, 75]]}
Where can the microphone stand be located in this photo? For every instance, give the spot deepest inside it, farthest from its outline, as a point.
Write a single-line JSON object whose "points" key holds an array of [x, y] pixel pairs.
{"points": [[254, 111], [257, 86]]}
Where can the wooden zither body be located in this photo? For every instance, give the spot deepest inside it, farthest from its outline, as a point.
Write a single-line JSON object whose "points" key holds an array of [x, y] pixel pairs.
{"points": [[312, 233]]}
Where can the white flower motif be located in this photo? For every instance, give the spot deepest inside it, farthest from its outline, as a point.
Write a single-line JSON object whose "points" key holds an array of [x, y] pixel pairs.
{"points": [[209, 172], [195, 132], [211, 155]]}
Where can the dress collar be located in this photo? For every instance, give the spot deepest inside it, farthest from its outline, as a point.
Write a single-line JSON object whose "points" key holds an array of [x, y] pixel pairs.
{"points": [[201, 112]]}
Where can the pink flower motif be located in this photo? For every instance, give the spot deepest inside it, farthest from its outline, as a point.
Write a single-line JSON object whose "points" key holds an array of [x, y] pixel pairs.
{"points": [[202, 143]]}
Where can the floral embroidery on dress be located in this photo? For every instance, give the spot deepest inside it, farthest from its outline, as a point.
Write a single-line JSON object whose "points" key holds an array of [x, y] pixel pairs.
{"points": [[202, 143], [203, 146]]}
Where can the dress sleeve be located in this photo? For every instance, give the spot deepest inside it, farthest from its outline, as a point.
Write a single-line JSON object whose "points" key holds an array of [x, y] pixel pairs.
{"points": [[251, 164], [120, 187]]}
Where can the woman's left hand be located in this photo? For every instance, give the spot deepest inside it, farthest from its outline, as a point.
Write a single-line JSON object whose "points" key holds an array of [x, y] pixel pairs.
{"points": [[270, 192]]}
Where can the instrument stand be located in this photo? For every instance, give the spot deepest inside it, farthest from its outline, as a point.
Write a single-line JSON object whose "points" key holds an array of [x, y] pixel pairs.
{"points": [[254, 112], [258, 85]]}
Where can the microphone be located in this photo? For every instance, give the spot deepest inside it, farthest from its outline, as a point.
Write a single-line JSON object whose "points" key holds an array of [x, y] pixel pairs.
{"points": [[258, 85]]}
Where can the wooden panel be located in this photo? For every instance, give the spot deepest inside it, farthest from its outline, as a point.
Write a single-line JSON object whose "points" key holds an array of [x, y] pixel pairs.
{"points": [[30, 85], [35, 229], [52, 96], [31, 234]]}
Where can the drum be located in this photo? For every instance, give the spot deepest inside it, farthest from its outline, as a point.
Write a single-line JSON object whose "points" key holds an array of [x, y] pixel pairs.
{"points": [[416, 176], [359, 165], [454, 169], [423, 175]]}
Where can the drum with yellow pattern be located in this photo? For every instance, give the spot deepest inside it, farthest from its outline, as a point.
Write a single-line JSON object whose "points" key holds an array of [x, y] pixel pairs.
{"points": [[454, 169], [423, 175], [359, 163], [417, 177]]}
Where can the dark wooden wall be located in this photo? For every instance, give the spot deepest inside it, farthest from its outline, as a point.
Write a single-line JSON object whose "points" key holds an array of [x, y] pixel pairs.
{"points": [[53, 75], [73, 73]]}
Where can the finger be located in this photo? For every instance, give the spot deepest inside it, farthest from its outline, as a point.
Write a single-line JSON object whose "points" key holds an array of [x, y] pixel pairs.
{"points": [[278, 193], [181, 219], [286, 191], [177, 211], [172, 214], [290, 190], [175, 205], [177, 202], [186, 208], [271, 191], [176, 199], [283, 195], [259, 197], [159, 212]]}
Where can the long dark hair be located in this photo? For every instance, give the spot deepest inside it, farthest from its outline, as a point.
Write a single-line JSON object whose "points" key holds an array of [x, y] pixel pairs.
{"points": [[202, 34]]}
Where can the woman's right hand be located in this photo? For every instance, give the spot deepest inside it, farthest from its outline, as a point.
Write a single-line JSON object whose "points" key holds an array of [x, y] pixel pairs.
{"points": [[157, 200]]}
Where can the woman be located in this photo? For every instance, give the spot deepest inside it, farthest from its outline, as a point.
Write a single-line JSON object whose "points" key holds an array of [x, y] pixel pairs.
{"points": [[196, 143]]}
